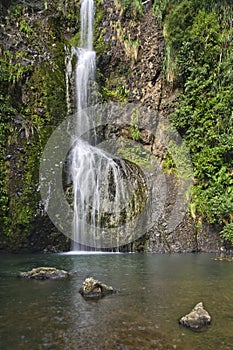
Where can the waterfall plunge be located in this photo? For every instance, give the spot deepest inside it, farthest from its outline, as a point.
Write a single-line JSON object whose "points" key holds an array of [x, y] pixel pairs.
{"points": [[100, 188]]}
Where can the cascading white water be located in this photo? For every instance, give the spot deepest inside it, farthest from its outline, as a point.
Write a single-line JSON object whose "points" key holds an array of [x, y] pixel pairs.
{"points": [[84, 87], [99, 187], [99, 192], [81, 166], [87, 19]]}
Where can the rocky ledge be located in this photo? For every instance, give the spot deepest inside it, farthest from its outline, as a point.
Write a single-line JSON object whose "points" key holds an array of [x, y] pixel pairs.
{"points": [[44, 273], [95, 288], [197, 318]]}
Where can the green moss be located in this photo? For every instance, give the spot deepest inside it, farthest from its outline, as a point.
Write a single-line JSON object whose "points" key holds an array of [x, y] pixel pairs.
{"points": [[135, 133], [135, 153], [132, 8], [6, 113], [75, 40], [116, 93], [113, 88], [169, 166], [34, 94], [24, 27], [100, 46]]}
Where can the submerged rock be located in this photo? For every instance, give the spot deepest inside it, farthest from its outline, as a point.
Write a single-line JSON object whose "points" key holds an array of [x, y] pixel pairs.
{"points": [[197, 318], [223, 258], [95, 288], [43, 273]]}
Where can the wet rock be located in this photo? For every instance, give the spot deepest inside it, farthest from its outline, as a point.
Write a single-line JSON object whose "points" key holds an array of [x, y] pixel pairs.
{"points": [[220, 258], [95, 288], [43, 273], [197, 318]]}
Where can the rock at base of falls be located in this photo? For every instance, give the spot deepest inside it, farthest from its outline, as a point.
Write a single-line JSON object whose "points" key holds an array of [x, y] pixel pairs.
{"points": [[44, 273], [95, 288], [197, 318]]}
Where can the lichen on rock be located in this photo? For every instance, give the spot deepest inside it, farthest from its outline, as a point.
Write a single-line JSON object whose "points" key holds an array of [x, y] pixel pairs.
{"points": [[44, 273], [197, 318], [95, 288]]}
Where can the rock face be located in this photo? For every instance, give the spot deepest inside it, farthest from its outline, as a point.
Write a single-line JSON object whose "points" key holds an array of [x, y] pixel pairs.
{"points": [[197, 318], [134, 55], [36, 37], [95, 288], [44, 273]]}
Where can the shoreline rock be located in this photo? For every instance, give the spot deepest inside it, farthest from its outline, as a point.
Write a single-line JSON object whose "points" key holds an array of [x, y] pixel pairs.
{"points": [[197, 318]]}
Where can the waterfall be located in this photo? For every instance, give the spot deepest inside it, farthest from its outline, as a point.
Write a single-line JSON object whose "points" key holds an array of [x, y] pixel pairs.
{"points": [[99, 181], [87, 19], [82, 161]]}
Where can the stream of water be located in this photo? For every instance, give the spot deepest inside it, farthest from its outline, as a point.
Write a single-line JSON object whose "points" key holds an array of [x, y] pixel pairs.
{"points": [[154, 291], [99, 187]]}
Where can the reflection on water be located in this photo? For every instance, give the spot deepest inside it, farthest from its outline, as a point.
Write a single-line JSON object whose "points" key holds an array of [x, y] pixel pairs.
{"points": [[154, 292]]}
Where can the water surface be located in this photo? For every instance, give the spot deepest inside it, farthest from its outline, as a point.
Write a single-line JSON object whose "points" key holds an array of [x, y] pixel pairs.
{"points": [[154, 292]]}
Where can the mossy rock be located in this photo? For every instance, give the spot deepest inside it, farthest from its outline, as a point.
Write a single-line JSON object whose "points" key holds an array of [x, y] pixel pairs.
{"points": [[44, 273], [224, 259], [197, 318], [94, 288]]}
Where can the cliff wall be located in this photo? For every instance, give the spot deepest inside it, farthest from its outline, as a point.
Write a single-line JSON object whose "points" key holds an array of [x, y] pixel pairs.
{"points": [[130, 53]]}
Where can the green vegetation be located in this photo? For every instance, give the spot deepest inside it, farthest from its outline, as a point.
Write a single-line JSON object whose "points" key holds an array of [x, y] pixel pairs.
{"points": [[135, 132], [32, 100], [160, 8], [133, 8], [199, 63], [135, 153], [6, 113], [130, 45], [114, 93], [12, 72], [113, 86]]}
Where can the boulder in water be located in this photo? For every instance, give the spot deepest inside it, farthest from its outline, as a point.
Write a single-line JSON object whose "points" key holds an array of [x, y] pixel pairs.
{"points": [[44, 273], [95, 288], [197, 318]]}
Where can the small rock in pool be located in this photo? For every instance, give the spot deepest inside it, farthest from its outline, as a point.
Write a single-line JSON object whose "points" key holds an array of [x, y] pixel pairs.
{"points": [[95, 288], [197, 318], [43, 273]]}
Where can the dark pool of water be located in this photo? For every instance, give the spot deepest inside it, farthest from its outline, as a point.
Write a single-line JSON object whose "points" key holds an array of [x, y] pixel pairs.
{"points": [[154, 292]]}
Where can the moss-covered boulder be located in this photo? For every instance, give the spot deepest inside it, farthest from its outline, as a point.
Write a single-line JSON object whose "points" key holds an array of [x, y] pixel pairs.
{"points": [[95, 288], [44, 273], [197, 318]]}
